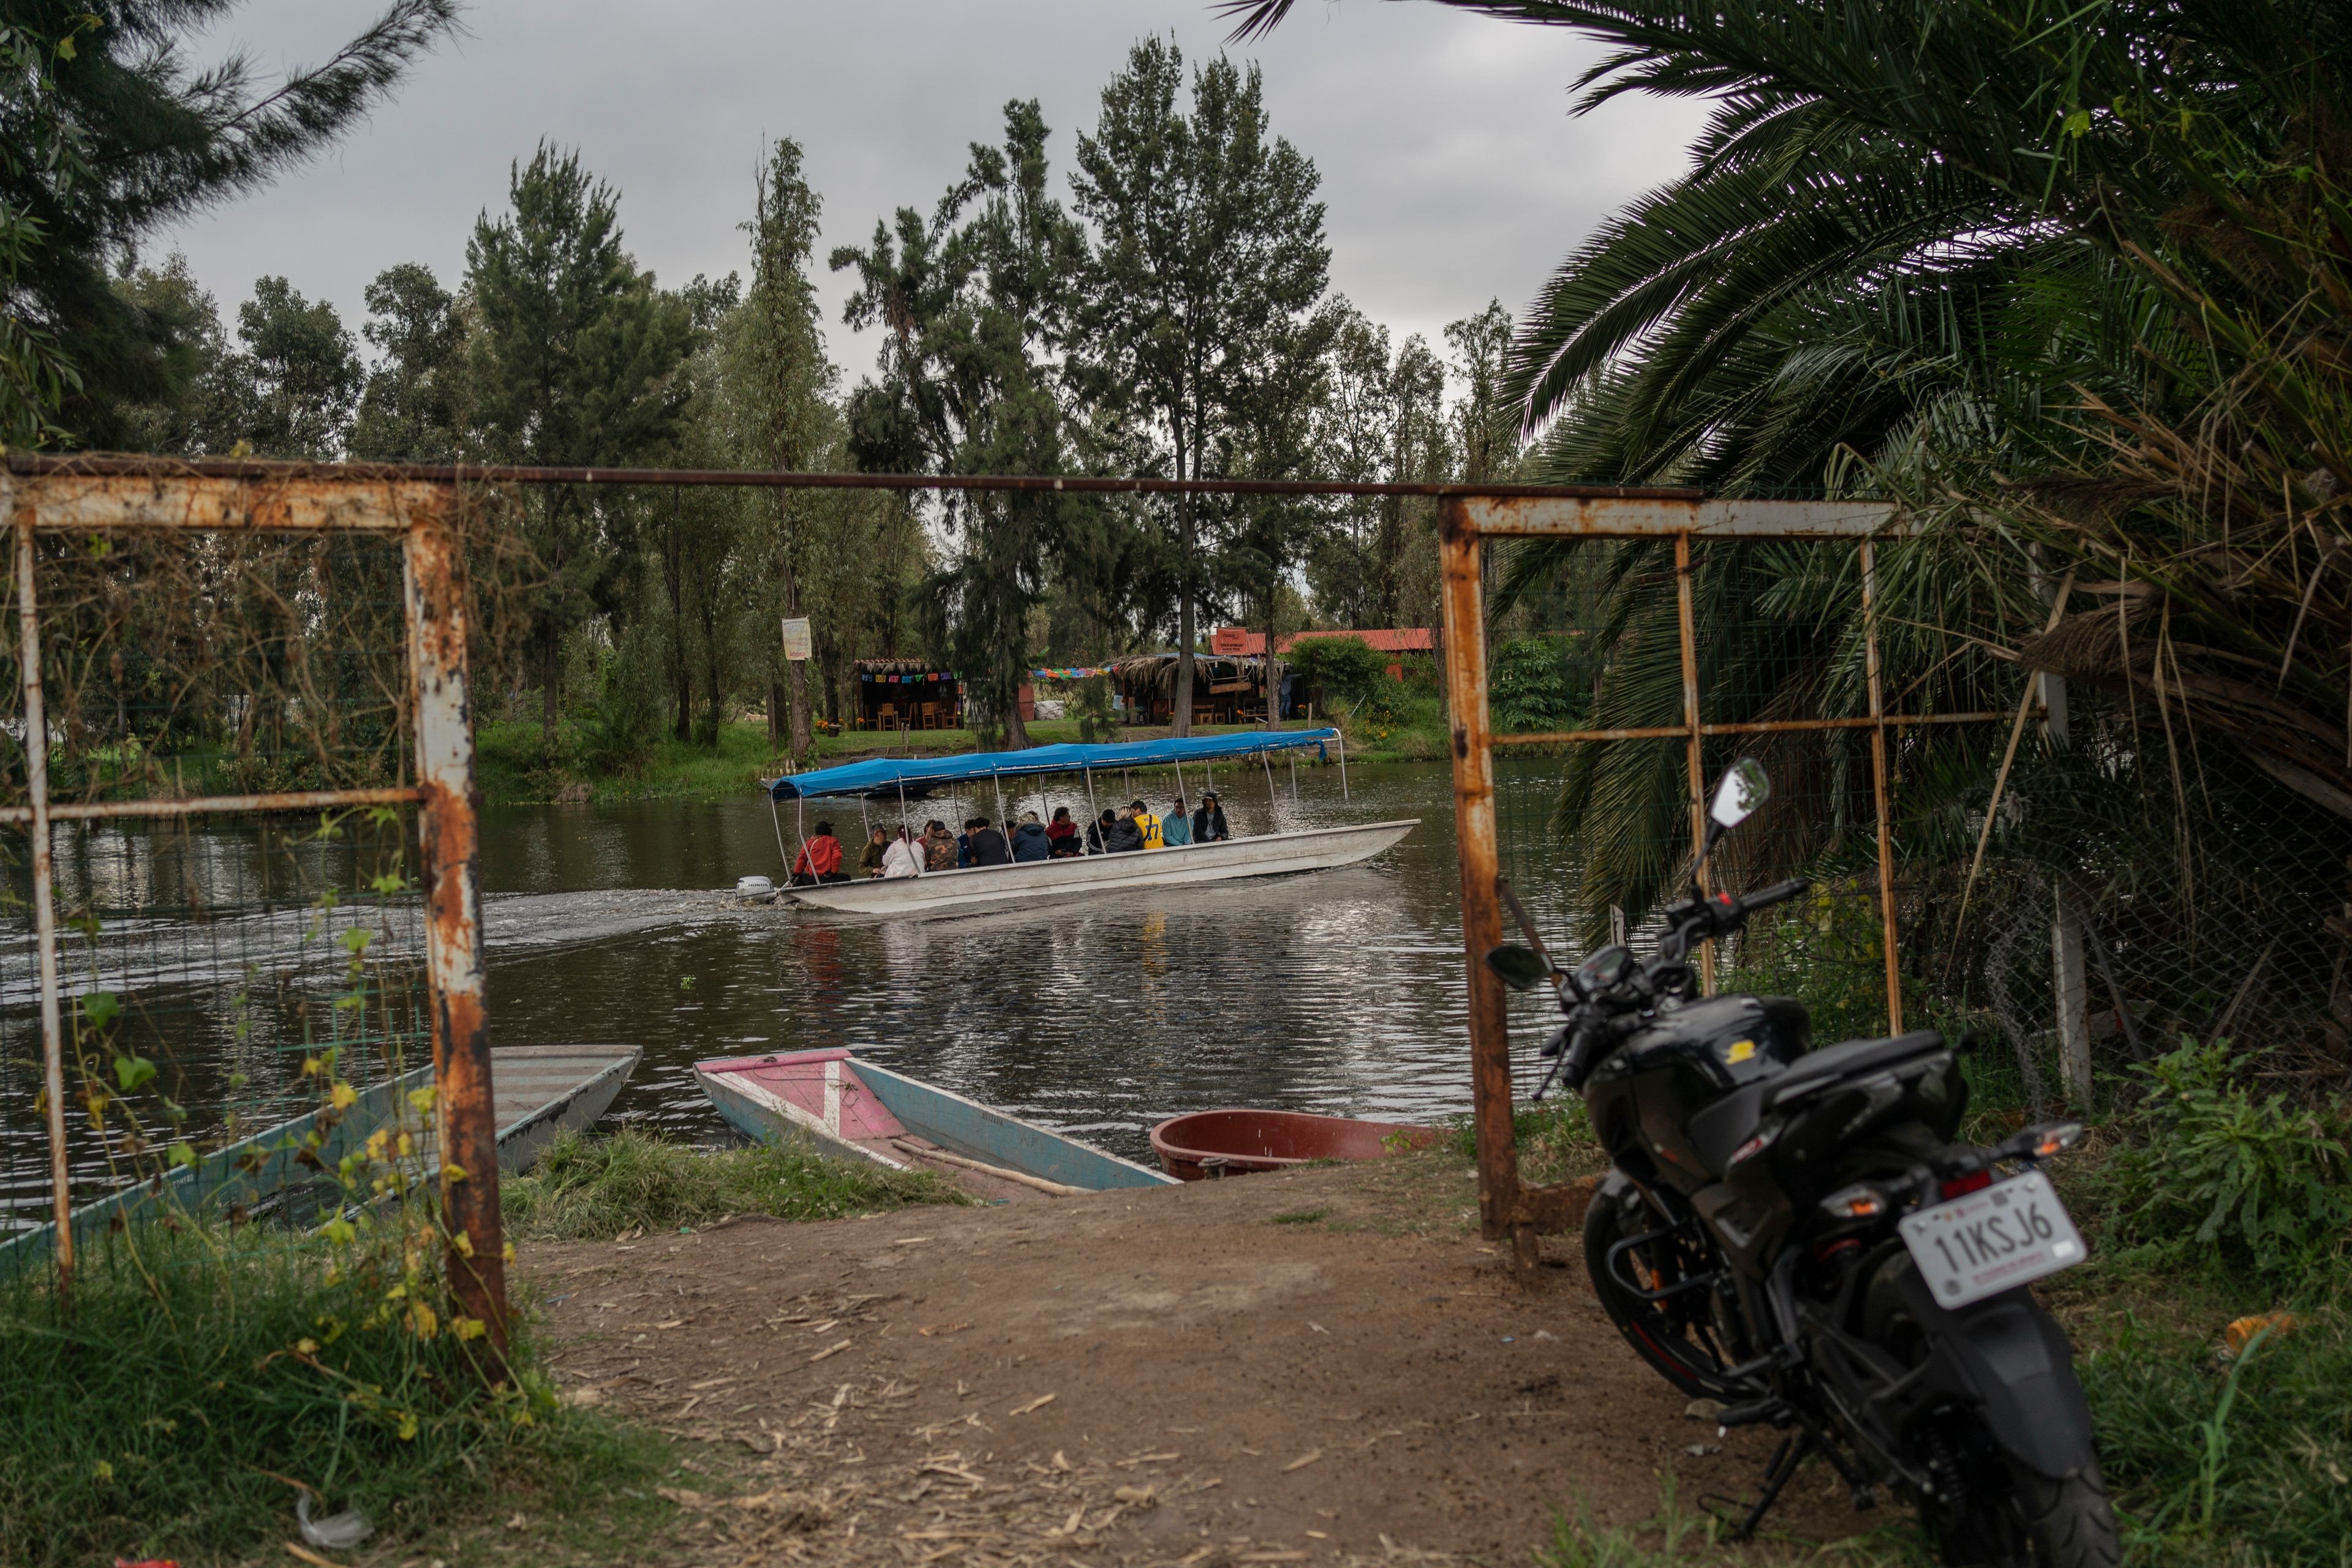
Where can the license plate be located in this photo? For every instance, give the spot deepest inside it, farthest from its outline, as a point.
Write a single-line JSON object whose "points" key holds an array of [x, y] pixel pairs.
{"points": [[1989, 1241]]}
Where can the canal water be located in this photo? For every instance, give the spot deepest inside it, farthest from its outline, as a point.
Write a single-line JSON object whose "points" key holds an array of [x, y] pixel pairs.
{"points": [[1339, 992]]}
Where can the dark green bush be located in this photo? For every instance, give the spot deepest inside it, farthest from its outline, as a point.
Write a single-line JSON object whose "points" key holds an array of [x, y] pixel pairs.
{"points": [[2215, 1173], [1536, 683]]}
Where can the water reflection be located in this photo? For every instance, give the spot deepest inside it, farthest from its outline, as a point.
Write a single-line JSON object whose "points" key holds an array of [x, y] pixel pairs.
{"points": [[1338, 991]]}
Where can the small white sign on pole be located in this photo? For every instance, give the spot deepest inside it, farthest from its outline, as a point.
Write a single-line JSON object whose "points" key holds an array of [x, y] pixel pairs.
{"points": [[796, 639]]}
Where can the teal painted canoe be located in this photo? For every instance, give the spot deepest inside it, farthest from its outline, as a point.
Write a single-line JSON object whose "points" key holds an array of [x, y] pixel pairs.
{"points": [[848, 1108]]}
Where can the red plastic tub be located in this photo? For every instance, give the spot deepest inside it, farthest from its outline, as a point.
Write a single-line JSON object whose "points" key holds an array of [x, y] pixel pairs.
{"points": [[1211, 1144]]}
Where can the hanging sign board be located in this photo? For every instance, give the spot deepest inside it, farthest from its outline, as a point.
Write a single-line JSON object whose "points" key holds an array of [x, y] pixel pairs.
{"points": [[796, 639]]}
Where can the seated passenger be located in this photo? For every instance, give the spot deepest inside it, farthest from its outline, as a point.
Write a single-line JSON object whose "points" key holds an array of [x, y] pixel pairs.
{"points": [[1177, 827], [1209, 821], [1030, 841], [1097, 832], [938, 847], [1062, 835], [1146, 823], [988, 845], [904, 858], [1123, 836], [878, 844], [819, 859]]}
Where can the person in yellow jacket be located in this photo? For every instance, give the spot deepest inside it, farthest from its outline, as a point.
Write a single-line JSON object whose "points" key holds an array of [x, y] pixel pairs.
{"points": [[1148, 826]]}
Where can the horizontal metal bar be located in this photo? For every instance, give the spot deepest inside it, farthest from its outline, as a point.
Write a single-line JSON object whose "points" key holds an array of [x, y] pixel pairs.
{"points": [[1634, 515], [63, 502], [199, 805], [1762, 727], [116, 466]]}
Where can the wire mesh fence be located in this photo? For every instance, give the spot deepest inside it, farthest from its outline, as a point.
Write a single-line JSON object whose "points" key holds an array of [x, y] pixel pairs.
{"points": [[236, 830]]}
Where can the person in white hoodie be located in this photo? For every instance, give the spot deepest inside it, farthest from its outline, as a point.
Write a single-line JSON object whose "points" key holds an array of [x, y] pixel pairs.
{"points": [[903, 859]]}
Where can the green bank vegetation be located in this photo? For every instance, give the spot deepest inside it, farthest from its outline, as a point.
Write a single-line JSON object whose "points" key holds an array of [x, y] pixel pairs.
{"points": [[593, 1189]]}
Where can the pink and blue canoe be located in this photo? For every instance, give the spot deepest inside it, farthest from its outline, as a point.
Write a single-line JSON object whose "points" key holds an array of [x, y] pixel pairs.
{"points": [[841, 1106]]}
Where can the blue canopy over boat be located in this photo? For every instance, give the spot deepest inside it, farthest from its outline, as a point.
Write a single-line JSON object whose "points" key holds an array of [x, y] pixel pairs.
{"points": [[881, 775]]}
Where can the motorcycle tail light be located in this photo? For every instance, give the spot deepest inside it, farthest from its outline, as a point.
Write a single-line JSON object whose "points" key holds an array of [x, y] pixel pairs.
{"points": [[2056, 1139], [1854, 1203], [1960, 1186]]}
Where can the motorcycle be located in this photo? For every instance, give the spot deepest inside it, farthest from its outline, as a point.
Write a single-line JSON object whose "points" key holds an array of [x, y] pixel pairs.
{"points": [[1794, 1234]]}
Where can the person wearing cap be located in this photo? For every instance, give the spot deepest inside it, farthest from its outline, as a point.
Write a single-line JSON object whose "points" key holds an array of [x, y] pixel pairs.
{"points": [[1176, 828], [1147, 825], [877, 845], [1209, 821]]}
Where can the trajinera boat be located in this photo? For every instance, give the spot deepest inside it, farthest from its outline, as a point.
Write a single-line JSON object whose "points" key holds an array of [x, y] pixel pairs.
{"points": [[847, 1108], [906, 789]]}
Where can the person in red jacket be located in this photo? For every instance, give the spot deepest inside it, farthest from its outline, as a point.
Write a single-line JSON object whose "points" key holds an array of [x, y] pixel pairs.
{"points": [[819, 859]]}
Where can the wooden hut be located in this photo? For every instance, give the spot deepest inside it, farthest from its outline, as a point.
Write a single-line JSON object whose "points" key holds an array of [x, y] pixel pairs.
{"points": [[1225, 690], [907, 694]]}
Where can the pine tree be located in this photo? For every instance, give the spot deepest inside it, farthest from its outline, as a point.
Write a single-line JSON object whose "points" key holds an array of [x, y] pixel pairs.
{"points": [[412, 410], [291, 391], [574, 363]]}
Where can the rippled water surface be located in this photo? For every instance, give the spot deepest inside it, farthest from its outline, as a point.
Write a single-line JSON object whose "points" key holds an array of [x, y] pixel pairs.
{"points": [[1338, 992]]}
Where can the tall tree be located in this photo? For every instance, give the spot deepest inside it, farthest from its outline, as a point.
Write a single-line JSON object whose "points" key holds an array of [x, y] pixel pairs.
{"points": [[975, 303], [574, 363], [294, 385], [412, 411], [113, 133], [1210, 251], [783, 405]]}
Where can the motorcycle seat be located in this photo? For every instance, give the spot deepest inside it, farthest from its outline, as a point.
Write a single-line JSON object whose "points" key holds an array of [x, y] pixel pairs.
{"points": [[1718, 1129]]}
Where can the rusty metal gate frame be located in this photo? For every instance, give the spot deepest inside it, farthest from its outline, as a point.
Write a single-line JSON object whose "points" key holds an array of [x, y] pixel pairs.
{"points": [[85, 497], [42, 493], [1508, 1207]]}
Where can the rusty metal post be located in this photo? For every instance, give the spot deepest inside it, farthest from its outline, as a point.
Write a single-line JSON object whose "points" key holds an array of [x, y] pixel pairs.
{"points": [[1499, 1208], [1878, 789], [44, 911], [1691, 727], [464, 1111]]}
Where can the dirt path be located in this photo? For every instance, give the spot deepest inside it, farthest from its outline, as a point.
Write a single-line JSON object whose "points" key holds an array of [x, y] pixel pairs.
{"points": [[1322, 1365]]}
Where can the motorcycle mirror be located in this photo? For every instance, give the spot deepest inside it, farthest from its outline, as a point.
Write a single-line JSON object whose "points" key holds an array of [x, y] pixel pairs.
{"points": [[1743, 787], [1520, 967], [1605, 968]]}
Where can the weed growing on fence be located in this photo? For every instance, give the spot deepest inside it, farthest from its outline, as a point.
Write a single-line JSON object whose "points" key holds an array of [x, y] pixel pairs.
{"points": [[590, 1189], [203, 1370]]}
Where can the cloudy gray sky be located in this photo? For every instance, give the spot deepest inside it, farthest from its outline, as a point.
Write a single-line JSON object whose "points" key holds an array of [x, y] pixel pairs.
{"points": [[1451, 169]]}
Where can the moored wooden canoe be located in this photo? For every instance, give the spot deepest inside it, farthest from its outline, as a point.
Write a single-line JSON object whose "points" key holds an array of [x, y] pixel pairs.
{"points": [[848, 1108], [1210, 1144]]}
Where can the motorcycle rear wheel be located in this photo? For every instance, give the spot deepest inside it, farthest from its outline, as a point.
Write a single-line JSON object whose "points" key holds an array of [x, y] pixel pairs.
{"points": [[2011, 1516], [1678, 1336]]}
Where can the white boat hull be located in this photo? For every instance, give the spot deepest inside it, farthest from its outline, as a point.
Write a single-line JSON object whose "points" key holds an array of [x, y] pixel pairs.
{"points": [[1037, 882]]}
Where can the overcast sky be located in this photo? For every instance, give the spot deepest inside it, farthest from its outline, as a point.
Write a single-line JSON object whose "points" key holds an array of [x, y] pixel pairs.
{"points": [[1452, 170]]}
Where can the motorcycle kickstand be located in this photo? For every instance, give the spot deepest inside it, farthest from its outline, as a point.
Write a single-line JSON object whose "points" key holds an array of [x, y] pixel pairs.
{"points": [[1785, 1460]]}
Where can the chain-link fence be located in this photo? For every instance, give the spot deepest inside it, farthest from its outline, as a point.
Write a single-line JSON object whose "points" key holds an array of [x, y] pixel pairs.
{"points": [[238, 833], [2080, 882]]}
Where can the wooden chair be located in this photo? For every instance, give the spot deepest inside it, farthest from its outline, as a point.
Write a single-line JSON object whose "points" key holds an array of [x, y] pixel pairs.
{"points": [[931, 720], [886, 717]]}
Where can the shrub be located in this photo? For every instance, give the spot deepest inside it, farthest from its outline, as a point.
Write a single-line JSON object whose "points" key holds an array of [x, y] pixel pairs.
{"points": [[1091, 708], [597, 1188], [1536, 683], [2215, 1173], [1347, 667]]}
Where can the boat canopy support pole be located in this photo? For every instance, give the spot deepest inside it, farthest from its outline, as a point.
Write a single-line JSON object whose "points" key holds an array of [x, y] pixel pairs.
{"points": [[1341, 741], [1273, 800], [1093, 812], [777, 817]]}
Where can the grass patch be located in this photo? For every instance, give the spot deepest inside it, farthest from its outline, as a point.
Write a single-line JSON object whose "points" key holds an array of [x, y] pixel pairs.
{"points": [[1555, 1137], [593, 1189], [1298, 1216], [198, 1366]]}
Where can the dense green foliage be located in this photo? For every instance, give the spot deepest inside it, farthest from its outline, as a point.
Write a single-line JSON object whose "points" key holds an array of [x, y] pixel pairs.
{"points": [[198, 1366], [593, 1189]]}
